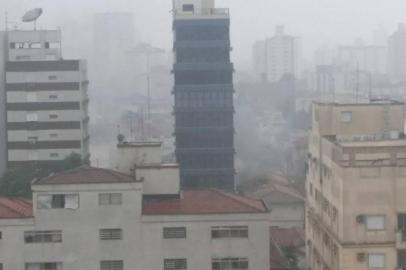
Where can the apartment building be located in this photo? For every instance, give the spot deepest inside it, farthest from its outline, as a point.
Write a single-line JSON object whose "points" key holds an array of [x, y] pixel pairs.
{"points": [[204, 112], [277, 56], [45, 100], [356, 182], [91, 218]]}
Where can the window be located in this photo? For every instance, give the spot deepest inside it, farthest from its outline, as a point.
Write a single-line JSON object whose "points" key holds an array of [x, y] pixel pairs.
{"points": [[346, 117], [33, 155], [229, 232], [1, 237], [44, 266], [110, 199], [376, 260], [174, 232], [375, 222], [43, 236], [188, 7], [175, 264], [32, 117], [111, 234], [31, 97], [12, 45], [111, 265], [32, 139], [54, 155], [58, 201], [35, 45], [53, 116], [230, 264]]}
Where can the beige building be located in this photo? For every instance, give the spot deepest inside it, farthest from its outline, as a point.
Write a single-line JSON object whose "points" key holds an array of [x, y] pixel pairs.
{"points": [[356, 184]]}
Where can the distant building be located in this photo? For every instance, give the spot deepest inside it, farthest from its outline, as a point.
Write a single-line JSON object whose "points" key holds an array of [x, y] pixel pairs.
{"points": [[277, 56], [355, 209], [397, 54], [90, 218], [45, 100], [286, 203], [366, 58], [203, 91]]}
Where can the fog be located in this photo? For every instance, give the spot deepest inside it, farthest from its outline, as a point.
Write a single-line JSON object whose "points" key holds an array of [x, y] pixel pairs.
{"points": [[317, 22]]}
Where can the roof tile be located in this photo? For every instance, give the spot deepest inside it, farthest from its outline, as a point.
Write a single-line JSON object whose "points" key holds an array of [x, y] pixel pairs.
{"points": [[203, 201]]}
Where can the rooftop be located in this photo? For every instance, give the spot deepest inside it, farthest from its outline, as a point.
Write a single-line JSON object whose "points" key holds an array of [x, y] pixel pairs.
{"points": [[85, 175], [201, 202], [277, 193], [280, 240], [11, 208]]}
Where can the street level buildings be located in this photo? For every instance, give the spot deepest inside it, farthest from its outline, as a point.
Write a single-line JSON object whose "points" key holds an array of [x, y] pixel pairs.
{"points": [[356, 208], [203, 91], [91, 218], [44, 100]]}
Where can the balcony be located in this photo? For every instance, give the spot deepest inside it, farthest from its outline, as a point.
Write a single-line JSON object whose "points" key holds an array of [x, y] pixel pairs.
{"points": [[401, 240]]}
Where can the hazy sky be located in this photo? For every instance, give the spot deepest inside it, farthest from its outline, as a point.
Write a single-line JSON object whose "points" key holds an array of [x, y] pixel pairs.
{"points": [[318, 22]]}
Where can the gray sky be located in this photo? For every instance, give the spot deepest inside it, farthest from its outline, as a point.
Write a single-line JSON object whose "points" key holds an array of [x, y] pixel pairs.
{"points": [[318, 22]]}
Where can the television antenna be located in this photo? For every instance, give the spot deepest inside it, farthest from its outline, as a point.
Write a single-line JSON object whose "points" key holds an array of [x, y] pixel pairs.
{"points": [[32, 16]]}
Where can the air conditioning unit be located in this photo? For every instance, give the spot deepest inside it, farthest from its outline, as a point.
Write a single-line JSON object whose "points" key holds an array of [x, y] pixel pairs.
{"points": [[360, 218], [361, 257]]}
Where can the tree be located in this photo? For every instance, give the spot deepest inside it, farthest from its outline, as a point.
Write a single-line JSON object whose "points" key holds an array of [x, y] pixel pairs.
{"points": [[16, 182], [291, 255]]}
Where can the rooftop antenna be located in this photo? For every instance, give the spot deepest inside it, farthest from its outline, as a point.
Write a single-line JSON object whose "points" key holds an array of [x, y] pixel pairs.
{"points": [[32, 16]]}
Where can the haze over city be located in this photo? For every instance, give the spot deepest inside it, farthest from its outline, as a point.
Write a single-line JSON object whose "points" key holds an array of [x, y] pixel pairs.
{"points": [[202, 134]]}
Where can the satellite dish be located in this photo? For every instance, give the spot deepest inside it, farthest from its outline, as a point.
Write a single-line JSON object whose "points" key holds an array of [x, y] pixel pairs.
{"points": [[32, 15]]}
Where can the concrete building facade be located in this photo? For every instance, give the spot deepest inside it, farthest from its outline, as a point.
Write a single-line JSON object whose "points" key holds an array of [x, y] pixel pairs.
{"points": [[45, 100], [355, 210], [90, 218], [204, 127]]}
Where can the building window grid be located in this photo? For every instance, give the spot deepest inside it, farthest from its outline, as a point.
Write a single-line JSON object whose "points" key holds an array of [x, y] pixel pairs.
{"points": [[230, 264], [31, 237], [175, 264], [229, 232], [110, 199], [174, 232], [111, 234], [44, 266], [112, 265]]}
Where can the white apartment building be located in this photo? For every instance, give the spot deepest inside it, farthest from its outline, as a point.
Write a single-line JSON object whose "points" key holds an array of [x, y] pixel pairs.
{"points": [[46, 100], [277, 56], [99, 219]]}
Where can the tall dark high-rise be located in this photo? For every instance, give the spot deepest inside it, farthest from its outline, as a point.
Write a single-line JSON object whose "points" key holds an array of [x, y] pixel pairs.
{"points": [[203, 92]]}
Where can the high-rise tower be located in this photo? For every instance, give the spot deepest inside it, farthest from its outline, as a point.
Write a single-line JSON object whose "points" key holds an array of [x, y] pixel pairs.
{"points": [[203, 94]]}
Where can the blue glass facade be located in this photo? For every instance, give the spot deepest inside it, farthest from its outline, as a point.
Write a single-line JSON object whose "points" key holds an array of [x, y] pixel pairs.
{"points": [[204, 110]]}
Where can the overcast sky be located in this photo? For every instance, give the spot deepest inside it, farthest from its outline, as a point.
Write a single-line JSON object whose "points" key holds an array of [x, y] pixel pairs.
{"points": [[318, 22]]}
